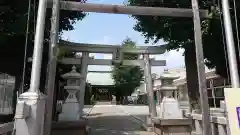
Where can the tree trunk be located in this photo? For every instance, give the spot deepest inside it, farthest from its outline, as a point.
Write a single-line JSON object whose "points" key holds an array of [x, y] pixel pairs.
{"points": [[192, 75], [118, 96], [121, 100], [117, 99], [125, 100]]}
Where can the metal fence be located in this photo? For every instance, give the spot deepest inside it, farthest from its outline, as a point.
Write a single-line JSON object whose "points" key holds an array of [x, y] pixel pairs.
{"points": [[6, 93]]}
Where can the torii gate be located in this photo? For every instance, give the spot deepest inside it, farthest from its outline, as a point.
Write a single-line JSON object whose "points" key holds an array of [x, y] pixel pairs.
{"points": [[117, 52], [32, 122]]}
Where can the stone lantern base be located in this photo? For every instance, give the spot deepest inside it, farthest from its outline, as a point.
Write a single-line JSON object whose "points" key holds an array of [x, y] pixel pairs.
{"points": [[170, 109], [70, 108], [172, 126], [70, 112]]}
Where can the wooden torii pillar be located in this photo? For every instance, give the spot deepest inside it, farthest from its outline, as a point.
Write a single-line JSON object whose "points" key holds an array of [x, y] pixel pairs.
{"points": [[31, 123]]}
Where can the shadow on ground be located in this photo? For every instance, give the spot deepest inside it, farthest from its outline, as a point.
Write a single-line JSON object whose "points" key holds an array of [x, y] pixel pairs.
{"points": [[115, 125], [135, 105]]}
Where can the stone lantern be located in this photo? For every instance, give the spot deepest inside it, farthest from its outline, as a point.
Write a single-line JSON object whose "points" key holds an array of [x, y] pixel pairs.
{"points": [[170, 118], [170, 107], [71, 108]]}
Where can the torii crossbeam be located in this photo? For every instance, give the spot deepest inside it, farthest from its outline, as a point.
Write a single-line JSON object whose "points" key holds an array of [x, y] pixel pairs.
{"points": [[102, 48], [133, 10]]}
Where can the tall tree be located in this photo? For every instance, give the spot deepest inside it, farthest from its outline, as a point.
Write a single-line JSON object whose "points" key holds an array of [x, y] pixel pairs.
{"points": [[179, 33], [13, 24], [127, 78]]}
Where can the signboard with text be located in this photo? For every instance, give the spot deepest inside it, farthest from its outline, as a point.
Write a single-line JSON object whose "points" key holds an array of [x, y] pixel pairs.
{"points": [[238, 115], [233, 109]]}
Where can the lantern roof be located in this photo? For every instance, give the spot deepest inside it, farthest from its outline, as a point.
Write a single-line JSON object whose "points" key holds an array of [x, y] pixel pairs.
{"points": [[167, 75], [72, 74]]}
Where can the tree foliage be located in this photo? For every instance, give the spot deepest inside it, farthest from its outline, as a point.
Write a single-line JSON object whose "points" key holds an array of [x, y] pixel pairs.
{"points": [[178, 32], [13, 25], [127, 78]]}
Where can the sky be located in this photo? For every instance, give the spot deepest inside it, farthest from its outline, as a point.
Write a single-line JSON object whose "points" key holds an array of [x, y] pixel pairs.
{"points": [[112, 29]]}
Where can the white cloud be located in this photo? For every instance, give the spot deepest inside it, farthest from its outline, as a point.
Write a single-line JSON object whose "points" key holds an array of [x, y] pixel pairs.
{"points": [[174, 59]]}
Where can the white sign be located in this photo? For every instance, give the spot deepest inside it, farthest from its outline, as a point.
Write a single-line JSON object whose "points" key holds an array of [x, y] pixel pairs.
{"points": [[233, 109]]}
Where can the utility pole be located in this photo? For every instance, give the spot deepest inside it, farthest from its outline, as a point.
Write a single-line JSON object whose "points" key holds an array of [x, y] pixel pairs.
{"points": [[52, 61], [33, 101], [233, 67], [38, 47], [201, 70], [230, 45]]}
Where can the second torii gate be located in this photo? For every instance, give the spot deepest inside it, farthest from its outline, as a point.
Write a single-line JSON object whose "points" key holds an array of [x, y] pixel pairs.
{"points": [[117, 52]]}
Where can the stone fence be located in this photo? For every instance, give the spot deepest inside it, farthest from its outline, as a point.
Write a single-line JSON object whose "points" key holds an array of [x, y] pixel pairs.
{"points": [[218, 121]]}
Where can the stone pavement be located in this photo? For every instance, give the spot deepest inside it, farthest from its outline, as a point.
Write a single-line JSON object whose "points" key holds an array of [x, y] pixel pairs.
{"points": [[107, 119], [139, 112]]}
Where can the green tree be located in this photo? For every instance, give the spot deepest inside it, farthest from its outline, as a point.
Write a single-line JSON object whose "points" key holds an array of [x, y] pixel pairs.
{"points": [[179, 33], [13, 24], [127, 78]]}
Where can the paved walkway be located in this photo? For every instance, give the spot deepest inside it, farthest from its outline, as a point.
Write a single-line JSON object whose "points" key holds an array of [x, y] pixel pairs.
{"points": [[87, 109], [107, 119], [140, 112]]}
